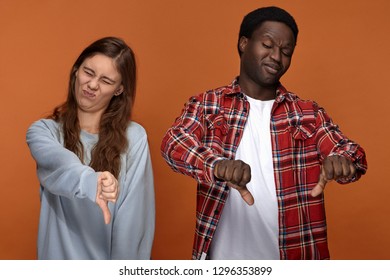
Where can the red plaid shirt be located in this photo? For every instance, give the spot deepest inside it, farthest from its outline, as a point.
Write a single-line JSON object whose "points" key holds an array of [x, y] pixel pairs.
{"points": [[210, 129]]}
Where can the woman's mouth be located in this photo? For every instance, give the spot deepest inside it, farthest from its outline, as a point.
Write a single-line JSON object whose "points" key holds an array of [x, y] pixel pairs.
{"points": [[88, 94]]}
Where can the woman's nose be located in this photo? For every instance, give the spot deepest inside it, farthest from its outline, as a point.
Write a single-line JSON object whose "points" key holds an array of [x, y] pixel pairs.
{"points": [[93, 83]]}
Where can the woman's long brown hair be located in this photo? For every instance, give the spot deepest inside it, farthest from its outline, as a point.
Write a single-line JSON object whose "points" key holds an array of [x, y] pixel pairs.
{"points": [[115, 120]]}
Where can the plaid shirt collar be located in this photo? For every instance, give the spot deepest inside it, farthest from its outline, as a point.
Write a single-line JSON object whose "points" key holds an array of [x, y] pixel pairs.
{"points": [[281, 92]]}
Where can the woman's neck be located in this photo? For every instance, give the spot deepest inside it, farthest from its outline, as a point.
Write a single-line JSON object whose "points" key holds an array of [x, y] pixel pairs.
{"points": [[89, 122]]}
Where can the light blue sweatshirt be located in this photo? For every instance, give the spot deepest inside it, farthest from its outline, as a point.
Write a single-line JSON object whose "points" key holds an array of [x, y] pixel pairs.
{"points": [[71, 224]]}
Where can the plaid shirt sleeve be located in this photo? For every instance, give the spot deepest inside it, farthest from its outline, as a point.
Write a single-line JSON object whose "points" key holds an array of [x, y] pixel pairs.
{"points": [[331, 141], [326, 134], [182, 146]]}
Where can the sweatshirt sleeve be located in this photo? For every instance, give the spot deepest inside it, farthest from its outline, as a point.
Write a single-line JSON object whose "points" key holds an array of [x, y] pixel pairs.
{"points": [[134, 222], [59, 170]]}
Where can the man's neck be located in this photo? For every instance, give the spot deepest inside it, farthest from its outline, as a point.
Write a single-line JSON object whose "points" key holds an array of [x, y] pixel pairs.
{"points": [[257, 91]]}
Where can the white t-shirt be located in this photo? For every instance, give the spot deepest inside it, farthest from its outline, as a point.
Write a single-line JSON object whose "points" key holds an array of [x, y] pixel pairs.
{"points": [[251, 232]]}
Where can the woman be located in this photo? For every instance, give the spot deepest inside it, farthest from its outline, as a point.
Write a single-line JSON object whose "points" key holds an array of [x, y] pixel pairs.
{"points": [[93, 163]]}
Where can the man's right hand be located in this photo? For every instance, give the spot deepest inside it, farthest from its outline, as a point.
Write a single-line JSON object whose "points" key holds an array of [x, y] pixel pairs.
{"points": [[237, 174]]}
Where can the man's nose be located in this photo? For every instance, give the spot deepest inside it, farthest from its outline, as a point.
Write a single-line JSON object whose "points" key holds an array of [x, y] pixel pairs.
{"points": [[275, 54]]}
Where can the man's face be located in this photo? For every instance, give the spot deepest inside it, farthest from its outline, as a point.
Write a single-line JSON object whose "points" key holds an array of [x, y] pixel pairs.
{"points": [[266, 56]]}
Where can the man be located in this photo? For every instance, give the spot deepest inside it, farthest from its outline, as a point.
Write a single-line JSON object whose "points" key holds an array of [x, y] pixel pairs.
{"points": [[261, 155]]}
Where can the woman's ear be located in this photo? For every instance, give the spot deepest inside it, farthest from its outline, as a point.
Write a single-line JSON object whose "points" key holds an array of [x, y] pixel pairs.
{"points": [[75, 70], [119, 90]]}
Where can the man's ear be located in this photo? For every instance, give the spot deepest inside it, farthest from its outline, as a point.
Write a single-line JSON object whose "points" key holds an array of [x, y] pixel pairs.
{"points": [[242, 43]]}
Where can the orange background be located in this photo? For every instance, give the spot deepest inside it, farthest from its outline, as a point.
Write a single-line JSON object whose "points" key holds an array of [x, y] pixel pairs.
{"points": [[184, 48]]}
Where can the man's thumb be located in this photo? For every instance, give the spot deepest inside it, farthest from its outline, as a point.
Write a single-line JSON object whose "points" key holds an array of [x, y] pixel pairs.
{"points": [[319, 188], [247, 196], [244, 192]]}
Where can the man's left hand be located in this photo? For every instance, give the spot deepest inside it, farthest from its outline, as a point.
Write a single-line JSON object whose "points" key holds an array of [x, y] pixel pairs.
{"points": [[333, 168]]}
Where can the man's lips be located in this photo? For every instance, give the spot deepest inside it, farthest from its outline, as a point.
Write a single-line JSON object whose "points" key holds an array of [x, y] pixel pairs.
{"points": [[272, 68]]}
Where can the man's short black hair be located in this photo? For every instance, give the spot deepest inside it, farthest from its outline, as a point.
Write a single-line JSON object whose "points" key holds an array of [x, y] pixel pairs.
{"points": [[255, 18]]}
